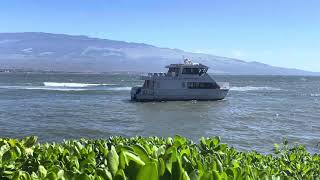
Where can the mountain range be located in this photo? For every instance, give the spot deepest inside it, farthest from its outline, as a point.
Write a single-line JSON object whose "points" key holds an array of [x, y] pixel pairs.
{"points": [[60, 52]]}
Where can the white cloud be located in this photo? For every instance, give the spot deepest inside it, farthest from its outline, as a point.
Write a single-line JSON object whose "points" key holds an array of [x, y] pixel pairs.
{"points": [[45, 53], [5, 41], [27, 50], [238, 53]]}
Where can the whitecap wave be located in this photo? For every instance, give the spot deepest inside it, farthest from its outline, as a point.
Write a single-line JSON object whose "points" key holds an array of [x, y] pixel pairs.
{"points": [[120, 88], [253, 88], [42, 88], [53, 88], [74, 85], [64, 88]]}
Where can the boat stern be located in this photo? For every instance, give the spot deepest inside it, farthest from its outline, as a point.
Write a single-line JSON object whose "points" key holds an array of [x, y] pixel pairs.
{"points": [[134, 92]]}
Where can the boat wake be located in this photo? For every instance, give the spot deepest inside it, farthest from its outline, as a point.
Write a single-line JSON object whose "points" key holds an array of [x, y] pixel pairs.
{"points": [[253, 88]]}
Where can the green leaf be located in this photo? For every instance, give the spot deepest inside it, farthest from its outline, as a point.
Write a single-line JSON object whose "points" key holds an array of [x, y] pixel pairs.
{"points": [[17, 152], [7, 156], [104, 173], [12, 142], [148, 171], [216, 175], [42, 171], [132, 157], [222, 147], [160, 151], [216, 141], [30, 141], [185, 176], [60, 175], [123, 161], [120, 175], [83, 176], [169, 141], [179, 140], [219, 166], [193, 175], [51, 176], [206, 176], [162, 166], [113, 161], [168, 163], [292, 157], [21, 175], [141, 152]]}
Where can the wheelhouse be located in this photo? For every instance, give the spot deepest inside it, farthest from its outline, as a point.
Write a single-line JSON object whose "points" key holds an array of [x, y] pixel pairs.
{"points": [[187, 69]]}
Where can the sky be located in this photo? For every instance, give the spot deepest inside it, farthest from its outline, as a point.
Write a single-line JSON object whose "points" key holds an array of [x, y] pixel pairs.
{"points": [[282, 33]]}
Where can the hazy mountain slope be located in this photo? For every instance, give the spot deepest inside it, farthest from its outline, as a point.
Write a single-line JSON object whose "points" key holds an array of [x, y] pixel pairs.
{"points": [[44, 51]]}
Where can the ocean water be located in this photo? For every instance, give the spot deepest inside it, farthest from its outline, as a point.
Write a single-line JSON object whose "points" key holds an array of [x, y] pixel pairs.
{"points": [[258, 111]]}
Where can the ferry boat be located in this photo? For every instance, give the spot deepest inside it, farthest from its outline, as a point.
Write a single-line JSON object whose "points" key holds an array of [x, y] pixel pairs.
{"points": [[188, 81]]}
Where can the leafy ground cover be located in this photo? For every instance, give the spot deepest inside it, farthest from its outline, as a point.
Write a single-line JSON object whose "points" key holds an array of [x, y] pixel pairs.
{"points": [[151, 158]]}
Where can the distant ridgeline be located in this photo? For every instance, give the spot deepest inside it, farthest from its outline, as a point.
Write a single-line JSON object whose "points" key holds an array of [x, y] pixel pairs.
{"points": [[60, 52], [151, 158]]}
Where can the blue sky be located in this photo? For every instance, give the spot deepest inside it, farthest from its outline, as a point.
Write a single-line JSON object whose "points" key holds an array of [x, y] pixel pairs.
{"points": [[278, 32]]}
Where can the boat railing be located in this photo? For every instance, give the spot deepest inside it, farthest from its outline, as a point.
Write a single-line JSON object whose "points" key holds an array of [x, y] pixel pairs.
{"points": [[153, 75], [157, 74], [224, 85]]}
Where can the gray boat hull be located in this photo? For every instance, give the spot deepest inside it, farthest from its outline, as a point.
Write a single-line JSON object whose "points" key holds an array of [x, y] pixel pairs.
{"points": [[140, 94]]}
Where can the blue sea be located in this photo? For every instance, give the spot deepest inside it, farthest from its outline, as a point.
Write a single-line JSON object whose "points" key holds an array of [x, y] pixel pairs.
{"points": [[258, 111]]}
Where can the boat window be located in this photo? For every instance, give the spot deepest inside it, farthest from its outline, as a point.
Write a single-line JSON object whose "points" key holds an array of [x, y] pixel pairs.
{"points": [[202, 85], [202, 71], [176, 70], [198, 71], [190, 71], [148, 84]]}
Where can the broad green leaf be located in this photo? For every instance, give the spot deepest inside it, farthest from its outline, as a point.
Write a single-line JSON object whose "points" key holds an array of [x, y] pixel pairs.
{"points": [[179, 140], [216, 141], [162, 167], [148, 172], [193, 175], [7, 156], [42, 171], [51, 176], [206, 176], [123, 161], [168, 163], [60, 175], [169, 141], [120, 175], [113, 161], [141, 152], [185, 176], [12, 142], [30, 141], [216, 175], [104, 173], [293, 157], [83, 177], [132, 157], [21, 175]]}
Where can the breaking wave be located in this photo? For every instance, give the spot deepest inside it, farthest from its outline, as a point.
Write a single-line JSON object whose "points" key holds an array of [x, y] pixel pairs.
{"points": [[76, 85], [68, 88]]}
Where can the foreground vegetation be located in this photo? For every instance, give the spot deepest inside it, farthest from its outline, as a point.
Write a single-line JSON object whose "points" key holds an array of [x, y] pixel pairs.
{"points": [[151, 158]]}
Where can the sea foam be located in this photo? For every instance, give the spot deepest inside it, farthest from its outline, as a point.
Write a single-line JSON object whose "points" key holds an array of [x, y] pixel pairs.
{"points": [[74, 85]]}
